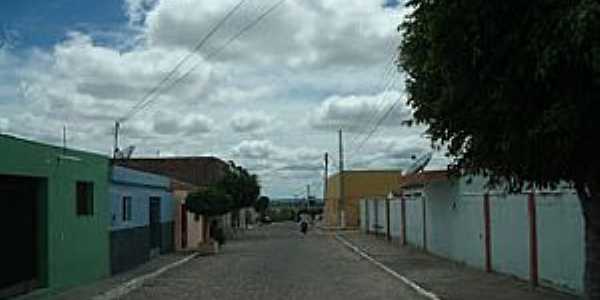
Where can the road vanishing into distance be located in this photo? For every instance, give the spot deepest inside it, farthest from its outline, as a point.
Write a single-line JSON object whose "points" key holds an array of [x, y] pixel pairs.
{"points": [[276, 262]]}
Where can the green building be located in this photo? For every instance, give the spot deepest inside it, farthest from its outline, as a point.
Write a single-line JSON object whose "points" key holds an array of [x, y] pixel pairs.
{"points": [[54, 218]]}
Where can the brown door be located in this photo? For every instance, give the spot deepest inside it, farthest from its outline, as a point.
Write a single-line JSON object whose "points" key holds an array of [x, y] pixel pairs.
{"points": [[184, 224]]}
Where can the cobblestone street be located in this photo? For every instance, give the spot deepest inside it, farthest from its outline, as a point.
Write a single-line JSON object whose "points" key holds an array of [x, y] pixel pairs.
{"points": [[276, 262]]}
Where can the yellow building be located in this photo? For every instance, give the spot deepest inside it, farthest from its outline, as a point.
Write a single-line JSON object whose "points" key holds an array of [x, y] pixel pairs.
{"points": [[357, 185]]}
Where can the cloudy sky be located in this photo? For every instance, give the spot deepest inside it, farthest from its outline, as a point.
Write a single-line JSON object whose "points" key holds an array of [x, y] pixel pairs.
{"points": [[271, 100]]}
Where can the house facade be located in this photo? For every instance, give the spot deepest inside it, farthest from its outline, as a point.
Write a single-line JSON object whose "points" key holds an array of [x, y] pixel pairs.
{"points": [[141, 217], [54, 214], [357, 185], [188, 174]]}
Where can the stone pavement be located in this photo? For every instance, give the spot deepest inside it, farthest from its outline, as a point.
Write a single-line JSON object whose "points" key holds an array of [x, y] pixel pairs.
{"points": [[276, 262], [96, 288], [447, 279]]}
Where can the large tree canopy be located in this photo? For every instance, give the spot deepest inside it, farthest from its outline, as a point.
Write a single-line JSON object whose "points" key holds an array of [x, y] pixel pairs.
{"points": [[512, 88]]}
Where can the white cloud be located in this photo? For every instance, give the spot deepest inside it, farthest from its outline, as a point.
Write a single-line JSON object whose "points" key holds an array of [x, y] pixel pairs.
{"points": [[171, 124], [354, 113], [272, 100], [257, 149], [245, 121]]}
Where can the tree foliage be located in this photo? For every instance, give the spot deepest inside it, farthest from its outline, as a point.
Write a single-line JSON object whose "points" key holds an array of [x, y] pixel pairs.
{"points": [[241, 185], [210, 202], [237, 189], [510, 86], [262, 204]]}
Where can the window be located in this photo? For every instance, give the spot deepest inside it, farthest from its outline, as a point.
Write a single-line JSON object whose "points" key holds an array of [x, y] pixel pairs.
{"points": [[85, 198], [126, 211]]}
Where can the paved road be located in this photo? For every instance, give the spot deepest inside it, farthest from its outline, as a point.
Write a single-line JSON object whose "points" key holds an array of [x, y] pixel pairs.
{"points": [[276, 262]]}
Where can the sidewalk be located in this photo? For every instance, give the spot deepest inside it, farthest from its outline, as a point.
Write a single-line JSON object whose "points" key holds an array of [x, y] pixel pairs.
{"points": [[446, 279], [103, 285]]}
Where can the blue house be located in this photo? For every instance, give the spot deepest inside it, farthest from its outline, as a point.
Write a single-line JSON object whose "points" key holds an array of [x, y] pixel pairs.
{"points": [[141, 217]]}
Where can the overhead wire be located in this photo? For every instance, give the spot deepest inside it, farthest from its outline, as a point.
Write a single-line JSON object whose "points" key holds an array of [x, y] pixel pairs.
{"points": [[136, 108], [218, 50]]}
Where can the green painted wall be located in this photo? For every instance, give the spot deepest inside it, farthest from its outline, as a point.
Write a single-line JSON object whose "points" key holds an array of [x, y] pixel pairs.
{"points": [[75, 248]]}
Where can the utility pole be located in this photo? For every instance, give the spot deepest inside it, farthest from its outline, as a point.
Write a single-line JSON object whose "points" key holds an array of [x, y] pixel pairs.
{"points": [[307, 196], [64, 139], [325, 179], [116, 148], [342, 202]]}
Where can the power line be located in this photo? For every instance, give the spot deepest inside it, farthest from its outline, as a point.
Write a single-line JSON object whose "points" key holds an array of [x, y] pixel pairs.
{"points": [[218, 50], [379, 122], [182, 61]]}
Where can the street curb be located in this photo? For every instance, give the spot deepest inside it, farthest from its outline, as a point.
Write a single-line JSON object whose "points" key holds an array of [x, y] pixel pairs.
{"points": [[135, 283], [420, 290]]}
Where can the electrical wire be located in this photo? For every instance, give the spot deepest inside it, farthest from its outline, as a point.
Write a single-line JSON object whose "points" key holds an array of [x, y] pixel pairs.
{"points": [[202, 42]]}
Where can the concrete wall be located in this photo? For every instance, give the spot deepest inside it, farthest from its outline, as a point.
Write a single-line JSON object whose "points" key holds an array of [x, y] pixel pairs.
{"points": [[381, 216], [373, 221], [510, 234], [414, 221], [67, 241], [395, 219], [561, 240], [363, 215], [454, 228]]}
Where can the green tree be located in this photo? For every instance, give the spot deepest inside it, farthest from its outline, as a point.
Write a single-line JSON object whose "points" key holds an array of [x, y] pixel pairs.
{"points": [[262, 204], [511, 87], [210, 202], [241, 185]]}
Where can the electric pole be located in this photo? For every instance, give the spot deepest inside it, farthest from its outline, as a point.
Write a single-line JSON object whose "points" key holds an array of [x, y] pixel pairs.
{"points": [[307, 196], [116, 148], [325, 179], [342, 202], [64, 139]]}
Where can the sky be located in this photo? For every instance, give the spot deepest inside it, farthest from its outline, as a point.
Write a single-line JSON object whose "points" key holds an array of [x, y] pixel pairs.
{"points": [[272, 100]]}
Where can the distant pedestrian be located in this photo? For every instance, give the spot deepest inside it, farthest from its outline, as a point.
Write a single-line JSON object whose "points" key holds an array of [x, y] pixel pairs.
{"points": [[303, 226], [216, 235]]}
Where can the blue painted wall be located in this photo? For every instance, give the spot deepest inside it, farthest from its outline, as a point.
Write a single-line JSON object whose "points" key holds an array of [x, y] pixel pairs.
{"points": [[140, 186]]}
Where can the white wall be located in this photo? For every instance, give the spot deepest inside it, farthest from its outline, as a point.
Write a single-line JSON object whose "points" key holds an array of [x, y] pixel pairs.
{"points": [[561, 240], [510, 234], [381, 216], [414, 221], [395, 219], [455, 229], [455, 224], [363, 215]]}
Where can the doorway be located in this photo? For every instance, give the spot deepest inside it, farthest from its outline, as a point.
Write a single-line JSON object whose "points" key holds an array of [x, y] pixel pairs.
{"points": [[19, 226], [184, 224], [155, 228]]}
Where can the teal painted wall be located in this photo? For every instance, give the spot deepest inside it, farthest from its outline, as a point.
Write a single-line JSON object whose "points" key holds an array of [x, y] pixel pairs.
{"points": [[76, 247], [561, 240]]}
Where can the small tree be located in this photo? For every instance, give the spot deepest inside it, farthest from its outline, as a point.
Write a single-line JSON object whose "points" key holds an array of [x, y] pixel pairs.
{"points": [[512, 88], [262, 204], [210, 202]]}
